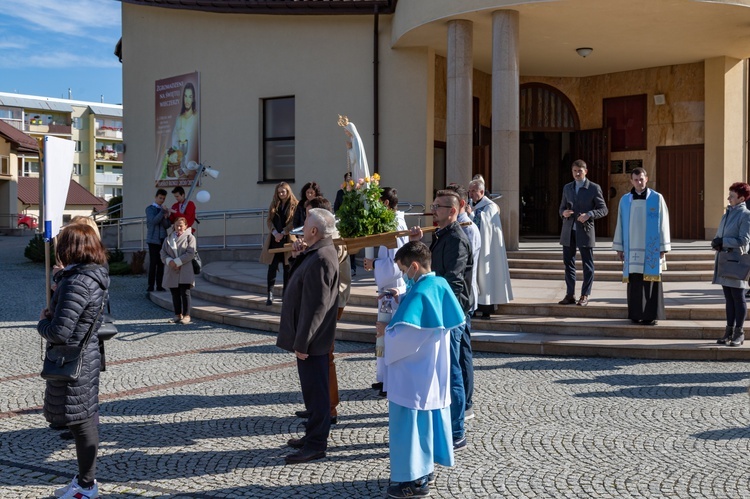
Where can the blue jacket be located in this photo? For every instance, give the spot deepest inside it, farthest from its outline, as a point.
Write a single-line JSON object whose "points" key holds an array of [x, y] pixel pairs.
{"points": [[157, 225]]}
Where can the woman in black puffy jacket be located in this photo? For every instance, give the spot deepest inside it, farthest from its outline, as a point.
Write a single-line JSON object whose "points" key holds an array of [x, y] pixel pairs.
{"points": [[76, 303]]}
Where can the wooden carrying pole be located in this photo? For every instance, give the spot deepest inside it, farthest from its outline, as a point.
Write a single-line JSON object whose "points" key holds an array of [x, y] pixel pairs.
{"points": [[354, 244]]}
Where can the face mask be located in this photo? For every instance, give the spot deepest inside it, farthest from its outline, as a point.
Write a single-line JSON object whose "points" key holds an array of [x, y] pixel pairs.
{"points": [[410, 282]]}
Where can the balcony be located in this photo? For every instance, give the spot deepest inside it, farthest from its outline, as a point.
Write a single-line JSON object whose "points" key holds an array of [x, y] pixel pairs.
{"points": [[109, 132], [36, 127], [109, 156], [108, 179]]}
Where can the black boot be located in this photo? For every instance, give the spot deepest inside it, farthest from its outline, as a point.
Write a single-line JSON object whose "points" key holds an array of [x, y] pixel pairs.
{"points": [[727, 336], [270, 298], [738, 338]]}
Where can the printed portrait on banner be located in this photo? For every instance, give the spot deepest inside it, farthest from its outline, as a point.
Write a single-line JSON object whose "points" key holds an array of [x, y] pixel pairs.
{"points": [[177, 129]]}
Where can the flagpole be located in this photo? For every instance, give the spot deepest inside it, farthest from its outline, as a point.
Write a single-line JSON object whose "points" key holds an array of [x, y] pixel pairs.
{"points": [[42, 217]]}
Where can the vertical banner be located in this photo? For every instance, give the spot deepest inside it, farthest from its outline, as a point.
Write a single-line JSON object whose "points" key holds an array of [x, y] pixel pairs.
{"points": [[177, 129], [58, 167]]}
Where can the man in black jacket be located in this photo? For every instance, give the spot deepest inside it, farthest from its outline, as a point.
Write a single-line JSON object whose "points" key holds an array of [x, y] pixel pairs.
{"points": [[582, 203], [308, 327], [452, 259]]}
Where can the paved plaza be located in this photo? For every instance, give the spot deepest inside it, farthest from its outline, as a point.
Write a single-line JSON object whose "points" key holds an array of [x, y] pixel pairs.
{"points": [[204, 411]]}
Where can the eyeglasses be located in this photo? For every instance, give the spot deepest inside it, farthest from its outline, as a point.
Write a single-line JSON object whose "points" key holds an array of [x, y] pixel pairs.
{"points": [[436, 206]]}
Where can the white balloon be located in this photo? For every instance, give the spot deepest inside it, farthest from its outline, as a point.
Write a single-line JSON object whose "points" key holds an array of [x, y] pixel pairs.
{"points": [[203, 197]]}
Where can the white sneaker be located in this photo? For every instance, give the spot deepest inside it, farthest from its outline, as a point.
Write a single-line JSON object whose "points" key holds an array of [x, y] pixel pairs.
{"points": [[75, 491], [64, 490], [469, 414]]}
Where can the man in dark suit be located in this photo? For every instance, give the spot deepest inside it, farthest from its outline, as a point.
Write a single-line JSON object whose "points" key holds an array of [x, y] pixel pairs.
{"points": [[308, 327], [582, 203]]}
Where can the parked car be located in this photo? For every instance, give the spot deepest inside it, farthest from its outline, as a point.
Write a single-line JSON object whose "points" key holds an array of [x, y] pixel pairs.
{"points": [[27, 221]]}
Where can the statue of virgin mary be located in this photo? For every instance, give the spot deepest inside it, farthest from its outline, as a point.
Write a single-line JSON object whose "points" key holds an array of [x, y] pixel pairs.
{"points": [[356, 157]]}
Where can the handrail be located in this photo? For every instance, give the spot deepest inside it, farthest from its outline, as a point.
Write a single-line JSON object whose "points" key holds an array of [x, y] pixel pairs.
{"points": [[119, 225]]}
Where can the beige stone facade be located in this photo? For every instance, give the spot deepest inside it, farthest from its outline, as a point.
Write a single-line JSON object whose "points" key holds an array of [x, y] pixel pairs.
{"points": [[684, 56]]}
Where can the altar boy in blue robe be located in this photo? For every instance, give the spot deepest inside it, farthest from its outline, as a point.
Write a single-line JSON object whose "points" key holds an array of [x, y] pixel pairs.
{"points": [[417, 374]]}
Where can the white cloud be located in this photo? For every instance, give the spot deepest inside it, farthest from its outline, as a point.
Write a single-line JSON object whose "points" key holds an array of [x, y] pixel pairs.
{"points": [[55, 60], [80, 18]]}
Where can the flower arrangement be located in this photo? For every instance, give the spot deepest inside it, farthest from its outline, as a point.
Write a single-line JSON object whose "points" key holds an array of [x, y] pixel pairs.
{"points": [[361, 212]]}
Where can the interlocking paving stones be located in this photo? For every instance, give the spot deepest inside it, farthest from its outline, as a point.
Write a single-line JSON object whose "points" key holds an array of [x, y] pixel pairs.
{"points": [[204, 411]]}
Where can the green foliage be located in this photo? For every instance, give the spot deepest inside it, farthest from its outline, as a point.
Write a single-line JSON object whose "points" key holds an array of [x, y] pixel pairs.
{"points": [[35, 249], [355, 220], [119, 268], [115, 256]]}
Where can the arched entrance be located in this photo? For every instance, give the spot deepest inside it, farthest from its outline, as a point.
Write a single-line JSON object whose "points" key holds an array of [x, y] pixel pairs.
{"points": [[548, 123]]}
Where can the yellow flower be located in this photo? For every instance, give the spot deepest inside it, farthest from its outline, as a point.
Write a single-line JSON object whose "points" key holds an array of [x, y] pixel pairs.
{"points": [[367, 180], [351, 182], [375, 176]]}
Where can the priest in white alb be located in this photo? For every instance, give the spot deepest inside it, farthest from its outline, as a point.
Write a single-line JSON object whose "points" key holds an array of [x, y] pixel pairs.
{"points": [[641, 241], [493, 274], [417, 356]]}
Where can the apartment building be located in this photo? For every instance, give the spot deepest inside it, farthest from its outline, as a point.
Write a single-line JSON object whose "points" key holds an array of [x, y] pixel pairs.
{"points": [[95, 127]]}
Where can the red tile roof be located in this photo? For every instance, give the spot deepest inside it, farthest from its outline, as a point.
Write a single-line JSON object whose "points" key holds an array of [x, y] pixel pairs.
{"points": [[23, 142], [276, 6], [28, 193]]}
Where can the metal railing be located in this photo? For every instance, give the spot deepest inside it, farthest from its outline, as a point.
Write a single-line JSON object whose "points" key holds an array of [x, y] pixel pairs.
{"points": [[225, 228]]}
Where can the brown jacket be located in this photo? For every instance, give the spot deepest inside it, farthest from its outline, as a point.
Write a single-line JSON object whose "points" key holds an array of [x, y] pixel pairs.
{"points": [[308, 314], [182, 250]]}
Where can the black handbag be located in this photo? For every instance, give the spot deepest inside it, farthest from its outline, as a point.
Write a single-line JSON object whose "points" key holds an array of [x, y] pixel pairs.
{"points": [[197, 264], [734, 265], [107, 330], [64, 362]]}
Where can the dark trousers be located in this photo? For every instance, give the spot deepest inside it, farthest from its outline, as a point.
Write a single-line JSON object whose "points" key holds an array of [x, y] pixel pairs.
{"points": [[313, 377], [645, 299], [736, 306], [466, 360], [458, 393], [569, 260], [86, 435], [155, 266], [181, 299], [278, 258]]}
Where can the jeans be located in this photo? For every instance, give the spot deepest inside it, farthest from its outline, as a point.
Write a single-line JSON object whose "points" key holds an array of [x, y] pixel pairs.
{"points": [[458, 394], [466, 360], [155, 266]]}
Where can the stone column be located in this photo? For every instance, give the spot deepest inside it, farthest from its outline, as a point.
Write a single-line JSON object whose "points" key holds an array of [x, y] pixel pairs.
{"points": [[505, 121], [459, 105]]}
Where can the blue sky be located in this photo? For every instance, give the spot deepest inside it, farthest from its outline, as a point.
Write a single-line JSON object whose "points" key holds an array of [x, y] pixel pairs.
{"points": [[48, 46]]}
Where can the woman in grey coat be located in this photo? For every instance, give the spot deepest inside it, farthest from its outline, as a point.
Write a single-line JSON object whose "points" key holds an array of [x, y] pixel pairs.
{"points": [[75, 308], [733, 235], [178, 250]]}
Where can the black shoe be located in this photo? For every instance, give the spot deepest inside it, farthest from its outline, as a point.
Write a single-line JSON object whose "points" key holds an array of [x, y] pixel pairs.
{"points": [[409, 489], [738, 338], [381, 393], [724, 340], [304, 456], [150, 290], [296, 443], [302, 414], [378, 386], [269, 300], [334, 419], [160, 289], [459, 444], [650, 323], [635, 321], [568, 300]]}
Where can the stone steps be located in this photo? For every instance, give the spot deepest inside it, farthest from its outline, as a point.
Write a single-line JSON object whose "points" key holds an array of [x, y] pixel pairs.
{"points": [[234, 293]]}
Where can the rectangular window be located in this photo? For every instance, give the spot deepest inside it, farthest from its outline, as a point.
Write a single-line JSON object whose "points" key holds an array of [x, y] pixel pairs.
{"points": [[30, 167], [4, 165], [77, 169], [278, 139], [77, 123], [99, 168], [626, 119], [78, 146]]}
